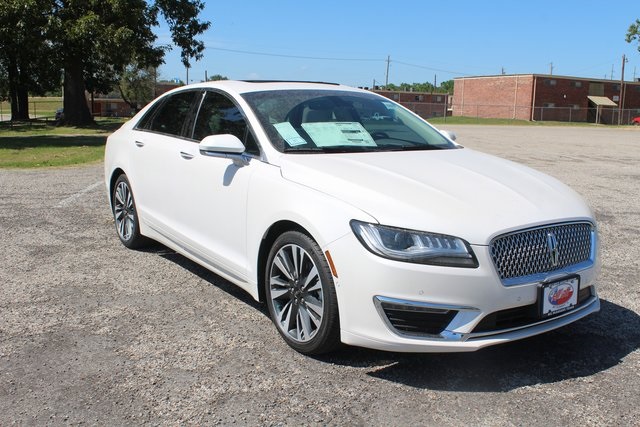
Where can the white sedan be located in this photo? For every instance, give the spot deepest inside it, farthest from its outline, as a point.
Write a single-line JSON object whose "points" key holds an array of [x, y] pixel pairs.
{"points": [[381, 233]]}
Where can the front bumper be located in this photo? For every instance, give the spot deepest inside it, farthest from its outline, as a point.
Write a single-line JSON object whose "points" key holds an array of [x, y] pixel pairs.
{"points": [[449, 302]]}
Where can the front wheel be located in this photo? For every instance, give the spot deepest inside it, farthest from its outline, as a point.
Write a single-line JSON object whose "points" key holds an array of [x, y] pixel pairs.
{"points": [[301, 295], [126, 215]]}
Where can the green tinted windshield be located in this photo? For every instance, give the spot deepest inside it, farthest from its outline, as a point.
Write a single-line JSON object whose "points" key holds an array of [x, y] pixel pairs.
{"points": [[340, 121]]}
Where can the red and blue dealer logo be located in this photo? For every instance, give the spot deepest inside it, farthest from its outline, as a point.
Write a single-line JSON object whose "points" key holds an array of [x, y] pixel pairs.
{"points": [[561, 294]]}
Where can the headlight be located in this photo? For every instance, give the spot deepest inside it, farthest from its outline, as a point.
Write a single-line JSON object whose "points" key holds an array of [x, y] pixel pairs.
{"points": [[414, 246]]}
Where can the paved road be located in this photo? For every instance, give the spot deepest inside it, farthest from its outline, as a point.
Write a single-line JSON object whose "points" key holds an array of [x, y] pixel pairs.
{"points": [[93, 333]]}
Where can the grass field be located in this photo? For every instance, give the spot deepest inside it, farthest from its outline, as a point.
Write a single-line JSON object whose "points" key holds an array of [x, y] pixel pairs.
{"points": [[40, 144], [457, 120], [39, 107], [41, 151]]}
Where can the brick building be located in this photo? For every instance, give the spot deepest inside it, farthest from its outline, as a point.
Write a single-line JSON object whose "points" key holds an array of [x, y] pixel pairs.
{"points": [[426, 105], [112, 104], [546, 97]]}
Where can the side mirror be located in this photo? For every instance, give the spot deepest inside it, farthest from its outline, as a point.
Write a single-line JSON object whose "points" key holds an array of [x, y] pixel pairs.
{"points": [[449, 134], [225, 144]]}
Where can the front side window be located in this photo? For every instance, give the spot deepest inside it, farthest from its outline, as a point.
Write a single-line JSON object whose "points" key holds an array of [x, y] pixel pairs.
{"points": [[219, 115], [307, 121]]}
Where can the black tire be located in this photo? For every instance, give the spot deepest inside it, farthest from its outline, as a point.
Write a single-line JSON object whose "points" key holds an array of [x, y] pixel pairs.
{"points": [[297, 282], [125, 214]]}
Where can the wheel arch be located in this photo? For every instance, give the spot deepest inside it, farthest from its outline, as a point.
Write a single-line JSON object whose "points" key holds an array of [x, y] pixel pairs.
{"points": [[112, 182], [270, 236]]}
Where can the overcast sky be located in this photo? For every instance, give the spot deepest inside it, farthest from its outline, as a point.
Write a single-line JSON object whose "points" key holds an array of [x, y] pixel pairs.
{"points": [[349, 41]]}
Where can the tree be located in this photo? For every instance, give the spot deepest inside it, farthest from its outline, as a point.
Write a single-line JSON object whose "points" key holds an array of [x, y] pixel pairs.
{"points": [[633, 33], [136, 86], [27, 60], [217, 77], [446, 86], [97, 39]]}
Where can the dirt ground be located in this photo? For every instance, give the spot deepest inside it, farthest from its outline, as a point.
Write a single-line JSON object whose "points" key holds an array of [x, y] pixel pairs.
{"points": [[93, 333]]}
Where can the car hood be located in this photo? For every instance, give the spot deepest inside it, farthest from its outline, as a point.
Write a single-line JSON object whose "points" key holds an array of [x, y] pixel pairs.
{"points": [[459, 192]]}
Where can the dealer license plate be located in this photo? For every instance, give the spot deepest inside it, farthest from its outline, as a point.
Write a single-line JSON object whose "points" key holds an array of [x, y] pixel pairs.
{"points": [[559, 296]]}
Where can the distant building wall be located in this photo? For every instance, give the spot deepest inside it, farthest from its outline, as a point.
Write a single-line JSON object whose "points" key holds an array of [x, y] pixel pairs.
{"points": [[507, 97], [424, 104], [543, 97]]}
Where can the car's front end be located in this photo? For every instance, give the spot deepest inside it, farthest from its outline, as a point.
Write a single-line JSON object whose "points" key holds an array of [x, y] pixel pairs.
{"points": [[400, 305]]}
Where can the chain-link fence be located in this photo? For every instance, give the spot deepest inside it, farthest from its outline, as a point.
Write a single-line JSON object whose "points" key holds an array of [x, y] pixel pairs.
{"points": [[39, 108], [574, 113]]}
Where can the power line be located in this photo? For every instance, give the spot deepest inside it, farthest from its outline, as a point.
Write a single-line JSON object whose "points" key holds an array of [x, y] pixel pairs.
{"points": [[388, 60], [248, 52], [430, 68]]}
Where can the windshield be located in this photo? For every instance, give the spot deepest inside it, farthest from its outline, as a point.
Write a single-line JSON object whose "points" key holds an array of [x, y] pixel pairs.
{"points": [[309, 121]]}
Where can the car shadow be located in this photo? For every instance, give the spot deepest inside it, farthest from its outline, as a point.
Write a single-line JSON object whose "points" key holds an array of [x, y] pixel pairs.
{"points": [[212, 278], [579, 350], [582, 349]]}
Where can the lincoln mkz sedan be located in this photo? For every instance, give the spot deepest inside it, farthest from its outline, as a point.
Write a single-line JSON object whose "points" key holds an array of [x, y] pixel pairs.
{"points": [[355, 220]]}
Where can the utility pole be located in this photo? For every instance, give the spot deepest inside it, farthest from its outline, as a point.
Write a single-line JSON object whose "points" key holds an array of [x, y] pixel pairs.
{"points": [[502, 71], [621, 97], [551, 68], [386, 80], [435, 82], [206, 78], [611, 71]]}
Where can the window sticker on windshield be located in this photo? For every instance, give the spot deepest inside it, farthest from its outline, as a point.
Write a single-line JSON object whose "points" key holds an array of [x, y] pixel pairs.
{"points": [[289, 134], [389, 105], [327, 134]]}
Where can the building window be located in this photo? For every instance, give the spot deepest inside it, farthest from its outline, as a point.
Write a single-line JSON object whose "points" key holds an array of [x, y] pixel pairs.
{"points": [[576, 84], [576, 106], [548, 105], [616, 88], [438, 99], [550, 82], [396, 96]]}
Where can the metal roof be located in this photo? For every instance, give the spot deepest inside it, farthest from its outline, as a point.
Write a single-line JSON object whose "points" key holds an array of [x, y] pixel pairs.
{"points": [[602, 101]]}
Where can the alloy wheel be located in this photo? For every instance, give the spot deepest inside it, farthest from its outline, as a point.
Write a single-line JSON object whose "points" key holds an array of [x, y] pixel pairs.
{"points": [[124, 211], [296, 293]]}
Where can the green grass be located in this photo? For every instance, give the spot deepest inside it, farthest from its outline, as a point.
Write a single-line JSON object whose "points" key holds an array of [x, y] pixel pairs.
{"points": [[103, 125], [50, 150], [40, 107], [41, 144], [458, 120]]}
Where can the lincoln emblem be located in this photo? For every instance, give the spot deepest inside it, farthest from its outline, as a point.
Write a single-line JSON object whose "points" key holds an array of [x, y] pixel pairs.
{"points": [[552, 245]]}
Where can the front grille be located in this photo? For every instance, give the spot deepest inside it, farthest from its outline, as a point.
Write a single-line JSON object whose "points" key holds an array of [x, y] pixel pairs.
{"points": [[417, 320], [529, 252], [520, 316]]}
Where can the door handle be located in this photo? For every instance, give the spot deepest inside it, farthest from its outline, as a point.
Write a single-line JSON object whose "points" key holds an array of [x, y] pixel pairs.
{"points": [[139, 144], [186, 156]]}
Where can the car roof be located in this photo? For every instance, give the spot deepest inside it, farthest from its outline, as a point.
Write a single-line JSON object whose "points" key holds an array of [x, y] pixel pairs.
{"points": [[246, 86]]}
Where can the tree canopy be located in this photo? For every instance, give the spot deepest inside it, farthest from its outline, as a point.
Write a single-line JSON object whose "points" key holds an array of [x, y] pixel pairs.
{"points": [[445, 87], [633, 33], [92, 41]]}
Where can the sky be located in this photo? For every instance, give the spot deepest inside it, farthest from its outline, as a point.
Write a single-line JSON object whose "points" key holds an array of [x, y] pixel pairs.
{"points": [[349, 42]]}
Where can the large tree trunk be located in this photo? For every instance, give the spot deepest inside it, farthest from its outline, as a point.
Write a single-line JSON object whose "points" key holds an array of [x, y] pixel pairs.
{"points": [[76, 109], [18, 94]]}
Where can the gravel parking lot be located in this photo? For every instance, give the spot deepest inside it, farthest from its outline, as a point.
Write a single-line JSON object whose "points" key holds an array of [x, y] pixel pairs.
{"points": [[93, 333]]}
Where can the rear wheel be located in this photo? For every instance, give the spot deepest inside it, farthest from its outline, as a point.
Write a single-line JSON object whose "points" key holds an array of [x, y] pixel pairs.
{"points": [[301, 295], [126, 215]]}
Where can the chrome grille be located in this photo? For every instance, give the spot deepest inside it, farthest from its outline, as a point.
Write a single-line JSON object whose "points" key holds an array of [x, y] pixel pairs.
{"points": [[530, 252]]}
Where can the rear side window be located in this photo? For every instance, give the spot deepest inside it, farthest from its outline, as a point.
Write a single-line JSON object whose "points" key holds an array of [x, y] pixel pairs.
{"points": [[171, 116]]}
